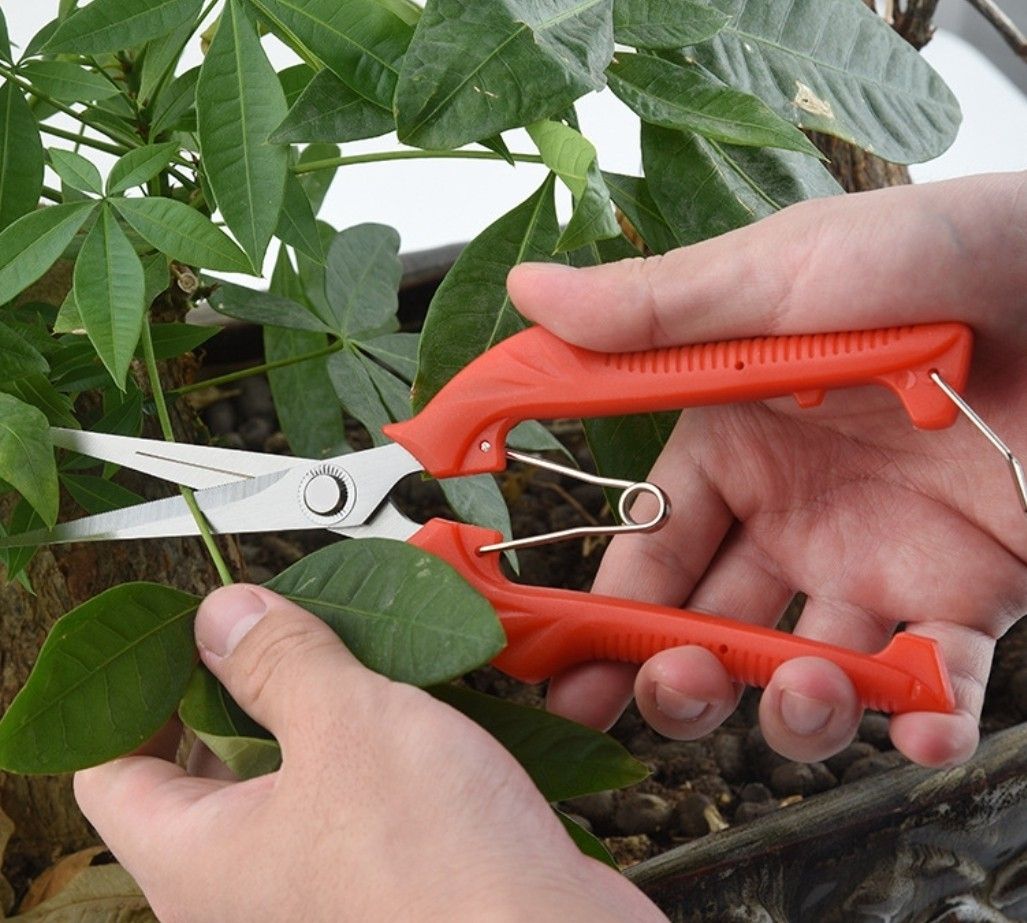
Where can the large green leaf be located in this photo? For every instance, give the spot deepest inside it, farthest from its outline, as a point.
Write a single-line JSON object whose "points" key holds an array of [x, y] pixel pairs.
{"points": [[160, 57], [564, 759], [21, 156], [835, 66], [704, 188], [231, 735], [108, 677], [18, 358], [473, 70], [175, 103], [471, 310], [686, 97], [30, 246], [263, 308], [76, 171], [362, 275], [316, 183], [98, 495], [114, 25], [397, 351], [352, 376], [5, 41], [26, 456], [573, 158], [296, 224], [109, 293], [665, 23], [239, 102], [139, 166], [361, 41], [67, 82], [37, 391], [402, 611], [627, 447], [479, 500], [182, 233], [329, 110], [632, 196]]}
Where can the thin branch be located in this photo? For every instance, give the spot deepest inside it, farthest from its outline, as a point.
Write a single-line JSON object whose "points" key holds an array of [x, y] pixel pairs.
{"points": [[1005, 26]]}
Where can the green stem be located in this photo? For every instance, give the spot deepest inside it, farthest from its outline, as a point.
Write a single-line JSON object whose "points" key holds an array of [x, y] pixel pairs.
{"points": [[82, 139], [381, 156], [165, 424], [54, 195], [258, 369]]}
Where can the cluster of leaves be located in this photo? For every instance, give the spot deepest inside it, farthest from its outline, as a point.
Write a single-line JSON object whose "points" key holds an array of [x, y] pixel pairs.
{"points": [[214, 162]]}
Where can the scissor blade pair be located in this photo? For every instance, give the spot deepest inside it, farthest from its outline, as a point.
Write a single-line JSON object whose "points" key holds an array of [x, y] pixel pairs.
{"points": [[189, 465]]}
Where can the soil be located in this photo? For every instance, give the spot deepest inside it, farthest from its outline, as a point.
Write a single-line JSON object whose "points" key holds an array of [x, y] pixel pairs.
{"points": [[695, 787]]}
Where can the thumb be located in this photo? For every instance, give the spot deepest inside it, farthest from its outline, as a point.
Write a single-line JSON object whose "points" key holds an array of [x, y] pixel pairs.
{"points": [[278, 661], [877, 259]]}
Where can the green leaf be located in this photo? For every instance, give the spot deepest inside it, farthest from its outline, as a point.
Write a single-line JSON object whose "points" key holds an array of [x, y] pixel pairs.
{"points": [[21, 156], [182, 233], [362, 276], [41, 394], [106, 680], [18, 358], [704, 188], [316, 183], [564, 759], [296, 224], [471, 310], [661, 24], [174, 102], [30, 246], [5, 41], [329, 110], [114, 25], [239, 102], [573, 158], [835, 66], [24, 519], [631, 195], [139, 166], [686, 98], [160, 57], [230, 734], [473, 70], [351, 375], [75, 171], [588, 843], [109, 294], [360, 41], [26, 456], [479, 500], [397, 351], [263, 308], [171, 340], [67, 82], [97, 495], [400, 610], [627, 447]]}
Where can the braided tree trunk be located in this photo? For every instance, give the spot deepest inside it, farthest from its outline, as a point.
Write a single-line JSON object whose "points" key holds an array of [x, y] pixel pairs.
{"points": [[47, 821]]}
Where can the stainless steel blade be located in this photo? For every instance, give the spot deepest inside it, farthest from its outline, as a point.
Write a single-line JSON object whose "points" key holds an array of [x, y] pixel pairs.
{"points": [[268, 503], [190, 465]]}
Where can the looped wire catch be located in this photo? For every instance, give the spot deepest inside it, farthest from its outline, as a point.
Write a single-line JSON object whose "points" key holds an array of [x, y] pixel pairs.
{"points": [[630, 490]]}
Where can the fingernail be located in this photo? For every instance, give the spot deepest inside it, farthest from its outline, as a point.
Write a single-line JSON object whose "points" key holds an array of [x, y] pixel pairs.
{"points": [[803, 714], [678, 706], [225, 617]]}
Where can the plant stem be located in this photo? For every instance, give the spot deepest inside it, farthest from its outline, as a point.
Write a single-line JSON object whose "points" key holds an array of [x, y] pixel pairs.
{"points": [[381, 156], [258, 369], [114, 149], [54, 195], [165, 424]]}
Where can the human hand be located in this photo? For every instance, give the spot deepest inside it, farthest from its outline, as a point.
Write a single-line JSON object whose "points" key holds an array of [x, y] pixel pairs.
{"points": [[389, 804], [878, 523]]}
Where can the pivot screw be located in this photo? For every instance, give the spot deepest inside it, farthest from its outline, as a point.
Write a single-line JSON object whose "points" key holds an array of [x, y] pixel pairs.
{"points": [[325, 494]]}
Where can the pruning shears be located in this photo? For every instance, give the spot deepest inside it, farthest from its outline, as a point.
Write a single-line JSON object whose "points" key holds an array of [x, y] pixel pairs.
{"points": [[463, 430]]}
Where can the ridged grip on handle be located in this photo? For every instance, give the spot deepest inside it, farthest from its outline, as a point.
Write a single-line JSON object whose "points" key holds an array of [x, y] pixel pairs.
{"points": [[533, 375], [550, 630]]}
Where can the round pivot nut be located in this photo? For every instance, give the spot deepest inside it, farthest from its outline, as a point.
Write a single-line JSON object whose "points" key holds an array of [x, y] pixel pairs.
{"points": [[326, 494]]}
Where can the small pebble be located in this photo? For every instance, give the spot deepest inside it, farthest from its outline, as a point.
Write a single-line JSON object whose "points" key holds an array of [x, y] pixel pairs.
{"points": [[1018, 691], [255, 431], [690, 814], [874, 730], [729, 751], [277, 444], [597, 808], [255, 398], [760, 752], [750, 810], [231, 441], [792, 779], [220, 418], [756, 792], [872, 765], [823, 779], [640, 812], [845, 758]]}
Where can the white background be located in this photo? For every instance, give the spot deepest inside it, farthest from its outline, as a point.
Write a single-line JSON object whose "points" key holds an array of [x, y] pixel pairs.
{"points": [[435, 202]]}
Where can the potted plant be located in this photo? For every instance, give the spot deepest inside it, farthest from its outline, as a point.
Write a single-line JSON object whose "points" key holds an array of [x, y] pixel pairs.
{"points": [[215, 164]]}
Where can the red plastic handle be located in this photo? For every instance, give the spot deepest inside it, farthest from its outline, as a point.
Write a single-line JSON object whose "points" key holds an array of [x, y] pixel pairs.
{"points": [[533, 375], [550, 630]]}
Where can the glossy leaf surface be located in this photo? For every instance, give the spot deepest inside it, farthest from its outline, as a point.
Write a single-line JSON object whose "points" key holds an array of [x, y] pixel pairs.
{"points": [[113, 25], [401, 611], [26, 456], [21, 156], [661, 24], [109, 293], [110, 674], [471, 310], [239, 102], [684, 97], [835, 66], [473, 70]]}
